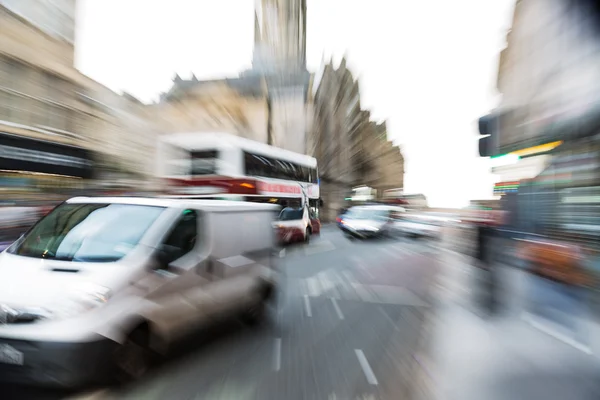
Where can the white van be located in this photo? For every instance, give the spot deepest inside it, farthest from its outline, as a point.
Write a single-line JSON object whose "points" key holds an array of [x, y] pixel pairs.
{"points": [[370, 221], [101, 283]]}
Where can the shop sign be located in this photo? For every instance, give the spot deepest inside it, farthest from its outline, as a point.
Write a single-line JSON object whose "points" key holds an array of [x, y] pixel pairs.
{"points": [[17, 153], [281, 189]]}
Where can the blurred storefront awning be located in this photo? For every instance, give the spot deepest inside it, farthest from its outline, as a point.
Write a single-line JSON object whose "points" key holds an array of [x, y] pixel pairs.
{"points": [[18, 153]]}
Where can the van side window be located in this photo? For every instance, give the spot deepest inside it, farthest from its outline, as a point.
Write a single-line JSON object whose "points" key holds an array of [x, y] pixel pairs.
{"points": [[182, 238]]}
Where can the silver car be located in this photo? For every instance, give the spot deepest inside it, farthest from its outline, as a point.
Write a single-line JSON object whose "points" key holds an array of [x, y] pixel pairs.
{"points": [[419, 226], [369, 221]]}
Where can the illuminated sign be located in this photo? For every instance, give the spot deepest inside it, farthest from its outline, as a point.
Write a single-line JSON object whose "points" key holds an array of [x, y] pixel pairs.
{"points": [[504, 160], [281, 189], [266, 187], [506, 187], [537, 149]]}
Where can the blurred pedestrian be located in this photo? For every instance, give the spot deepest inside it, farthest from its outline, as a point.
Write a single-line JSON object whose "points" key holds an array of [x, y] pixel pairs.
{"points": [[486, 233]]}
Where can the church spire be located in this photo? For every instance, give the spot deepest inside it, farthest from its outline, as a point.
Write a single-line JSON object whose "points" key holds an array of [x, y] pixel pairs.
{"points": [[280, 34]]}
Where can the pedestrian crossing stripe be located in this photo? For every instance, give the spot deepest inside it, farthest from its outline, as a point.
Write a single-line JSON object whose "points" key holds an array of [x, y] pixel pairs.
{"points": [[344, 286]]}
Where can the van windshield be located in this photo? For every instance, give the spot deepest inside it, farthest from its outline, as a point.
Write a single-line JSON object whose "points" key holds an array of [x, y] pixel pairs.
{"points": [[87, 232]]}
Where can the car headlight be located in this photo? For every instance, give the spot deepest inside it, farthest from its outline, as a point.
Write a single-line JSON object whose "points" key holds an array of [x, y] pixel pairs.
{"points": [[80, 299]]}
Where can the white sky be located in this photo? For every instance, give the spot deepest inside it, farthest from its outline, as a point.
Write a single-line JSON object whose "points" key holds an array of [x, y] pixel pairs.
{"points": [[427, 66]]}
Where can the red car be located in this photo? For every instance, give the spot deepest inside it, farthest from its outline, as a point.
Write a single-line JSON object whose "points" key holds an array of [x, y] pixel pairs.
{"points": [[296, 225]]}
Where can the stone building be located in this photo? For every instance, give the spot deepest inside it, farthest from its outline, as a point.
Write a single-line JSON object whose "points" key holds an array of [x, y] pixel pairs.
{"points": [[280, 56], [548, 75], [69, 124], [238, 106], [124, 137], [351, 150], [113, 137], [43, 123], [267, 103], [387, 169]]}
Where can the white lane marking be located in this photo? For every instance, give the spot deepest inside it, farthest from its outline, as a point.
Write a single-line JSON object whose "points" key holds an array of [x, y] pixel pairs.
{"points": [[277, 355], [307, 306], [323, 282], [282, 253], [364, 364], [337, 308], [547, 329]]}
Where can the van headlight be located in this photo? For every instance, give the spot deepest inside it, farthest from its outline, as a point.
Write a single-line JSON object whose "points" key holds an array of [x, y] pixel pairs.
{"points": [[80, 299]]}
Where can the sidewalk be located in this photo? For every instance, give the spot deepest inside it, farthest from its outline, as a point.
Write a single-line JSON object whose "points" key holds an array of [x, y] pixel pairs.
{"points": [[503, 357]]}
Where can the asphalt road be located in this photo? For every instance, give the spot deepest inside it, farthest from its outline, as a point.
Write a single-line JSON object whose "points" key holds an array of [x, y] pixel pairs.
{"points": [[348, 326]]}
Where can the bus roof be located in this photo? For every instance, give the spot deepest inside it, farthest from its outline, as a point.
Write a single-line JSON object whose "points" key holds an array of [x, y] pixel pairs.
{"points": [[195, 141]]}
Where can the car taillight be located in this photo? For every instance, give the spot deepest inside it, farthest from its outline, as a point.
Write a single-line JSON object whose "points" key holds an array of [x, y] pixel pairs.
{"points": [[338, 219]]}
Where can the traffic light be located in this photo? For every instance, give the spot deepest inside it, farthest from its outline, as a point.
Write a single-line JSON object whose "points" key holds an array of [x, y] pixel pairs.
{"points": [[488, 144]]}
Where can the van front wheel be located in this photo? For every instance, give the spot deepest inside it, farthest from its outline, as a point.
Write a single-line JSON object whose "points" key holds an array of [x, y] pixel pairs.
{"points": [[134, 357], [261, 307]]}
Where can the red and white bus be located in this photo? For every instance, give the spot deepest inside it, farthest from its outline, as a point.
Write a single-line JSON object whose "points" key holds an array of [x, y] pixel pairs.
{"points": [[224, 166]]}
